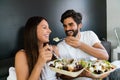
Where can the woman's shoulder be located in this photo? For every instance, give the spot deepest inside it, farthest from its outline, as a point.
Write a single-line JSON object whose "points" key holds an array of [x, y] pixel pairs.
{"points": [[21, 64], [20, 54], [21, 59]]}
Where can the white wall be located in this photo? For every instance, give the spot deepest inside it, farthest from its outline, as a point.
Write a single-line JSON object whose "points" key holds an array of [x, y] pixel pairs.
{"points": [[113, 20]]}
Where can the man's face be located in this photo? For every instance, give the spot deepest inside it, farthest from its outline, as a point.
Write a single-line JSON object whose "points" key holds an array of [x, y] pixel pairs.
{"points": [[70, 27]]}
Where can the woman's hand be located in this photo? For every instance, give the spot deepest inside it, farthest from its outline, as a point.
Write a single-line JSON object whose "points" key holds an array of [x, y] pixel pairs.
{"points": [[45, 53]]}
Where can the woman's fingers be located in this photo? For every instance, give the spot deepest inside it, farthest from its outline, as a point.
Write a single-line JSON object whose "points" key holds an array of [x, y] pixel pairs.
{"points": [[46, 53], [48, 48]]}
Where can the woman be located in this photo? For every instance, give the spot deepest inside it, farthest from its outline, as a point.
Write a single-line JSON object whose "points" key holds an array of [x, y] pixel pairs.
{"points": [[30, 62]]}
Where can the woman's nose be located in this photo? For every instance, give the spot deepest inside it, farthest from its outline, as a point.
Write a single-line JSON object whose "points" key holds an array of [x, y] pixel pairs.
{"points": [[49, 31]]}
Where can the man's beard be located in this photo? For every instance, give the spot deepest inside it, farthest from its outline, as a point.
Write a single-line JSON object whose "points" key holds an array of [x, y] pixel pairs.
{"points": [[71, 32]]}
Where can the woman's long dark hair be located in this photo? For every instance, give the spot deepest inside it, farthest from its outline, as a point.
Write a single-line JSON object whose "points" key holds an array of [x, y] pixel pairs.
{"points": [[31, 41]]}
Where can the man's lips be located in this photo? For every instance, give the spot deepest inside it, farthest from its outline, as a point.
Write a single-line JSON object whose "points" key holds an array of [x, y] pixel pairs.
{"points": [[70, 33]]}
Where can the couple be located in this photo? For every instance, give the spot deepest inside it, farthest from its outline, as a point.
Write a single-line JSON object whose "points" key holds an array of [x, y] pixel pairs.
{"points": [[30, 62]]}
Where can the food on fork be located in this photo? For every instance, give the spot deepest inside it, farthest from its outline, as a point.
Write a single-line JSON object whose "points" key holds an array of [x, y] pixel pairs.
{"points": [[56, 39]]}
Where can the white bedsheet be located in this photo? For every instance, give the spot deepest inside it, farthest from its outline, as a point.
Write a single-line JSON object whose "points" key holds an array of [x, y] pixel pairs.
{"points": [[12, 74], [116, 63]]}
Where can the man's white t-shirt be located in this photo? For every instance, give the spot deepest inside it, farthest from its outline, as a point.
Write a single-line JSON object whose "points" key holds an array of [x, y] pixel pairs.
{"points": [[67, 51]]}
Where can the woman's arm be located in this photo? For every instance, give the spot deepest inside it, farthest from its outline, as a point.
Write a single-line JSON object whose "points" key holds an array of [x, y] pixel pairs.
{"points": [[22, 70], [21, 65]]}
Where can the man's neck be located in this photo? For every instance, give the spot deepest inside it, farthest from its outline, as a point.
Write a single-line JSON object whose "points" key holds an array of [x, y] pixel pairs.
{"points": [[78, 35]]}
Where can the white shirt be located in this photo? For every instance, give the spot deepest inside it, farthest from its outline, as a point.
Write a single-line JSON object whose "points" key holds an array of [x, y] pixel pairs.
{"points": [[67, 51], [47, 74]]}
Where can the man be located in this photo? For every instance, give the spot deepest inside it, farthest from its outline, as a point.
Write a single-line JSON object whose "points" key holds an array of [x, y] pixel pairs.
{"points": [[79, 45]]}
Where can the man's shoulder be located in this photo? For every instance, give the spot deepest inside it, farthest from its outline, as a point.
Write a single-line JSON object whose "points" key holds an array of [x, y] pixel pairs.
{"points": [[87, 32], [61, 43]]}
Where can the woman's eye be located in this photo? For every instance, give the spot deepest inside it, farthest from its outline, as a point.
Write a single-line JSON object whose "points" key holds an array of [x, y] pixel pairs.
{"points": [[44, 27]]}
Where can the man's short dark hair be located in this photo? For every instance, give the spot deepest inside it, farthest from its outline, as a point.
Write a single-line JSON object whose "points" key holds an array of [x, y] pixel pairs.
{"points": [[77, 17]]}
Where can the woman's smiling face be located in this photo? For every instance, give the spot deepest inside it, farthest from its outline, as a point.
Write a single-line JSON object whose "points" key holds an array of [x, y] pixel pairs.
{"points": [[43, 31]]}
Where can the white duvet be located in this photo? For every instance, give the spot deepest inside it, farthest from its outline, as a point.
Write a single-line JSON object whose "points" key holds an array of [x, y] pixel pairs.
{"points": [[12, 74]]}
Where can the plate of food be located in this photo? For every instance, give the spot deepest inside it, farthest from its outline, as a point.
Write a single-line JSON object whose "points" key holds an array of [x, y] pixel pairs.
{"points": [[99, 68], [69, 67]]}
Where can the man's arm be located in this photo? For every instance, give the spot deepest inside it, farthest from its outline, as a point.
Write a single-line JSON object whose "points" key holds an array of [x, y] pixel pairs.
{"points": [[97, 50]]}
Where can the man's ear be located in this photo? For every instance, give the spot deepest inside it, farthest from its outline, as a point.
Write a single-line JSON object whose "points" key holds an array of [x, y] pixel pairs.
{"points": [[80, 26]]}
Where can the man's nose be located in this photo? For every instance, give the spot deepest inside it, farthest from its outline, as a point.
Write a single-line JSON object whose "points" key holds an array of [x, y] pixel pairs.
{"points": [[68, 28]]}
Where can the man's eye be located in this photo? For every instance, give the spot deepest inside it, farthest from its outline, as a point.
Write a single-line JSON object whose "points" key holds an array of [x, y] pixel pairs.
{"points": [[71, 24]]}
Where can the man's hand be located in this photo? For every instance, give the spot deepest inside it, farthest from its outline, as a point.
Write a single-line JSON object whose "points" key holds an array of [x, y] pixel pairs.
{"points": [[83, 74], [73, 41], [88, 74], [65, 77]]}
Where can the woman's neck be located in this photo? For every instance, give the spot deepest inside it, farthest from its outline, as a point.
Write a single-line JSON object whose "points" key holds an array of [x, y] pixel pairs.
{"points": [[40, 45]]}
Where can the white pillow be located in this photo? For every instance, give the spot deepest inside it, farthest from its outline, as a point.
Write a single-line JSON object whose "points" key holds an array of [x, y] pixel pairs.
{"points": [[12, 74]]}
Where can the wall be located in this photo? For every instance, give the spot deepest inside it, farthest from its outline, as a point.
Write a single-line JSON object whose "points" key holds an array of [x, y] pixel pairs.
{"points": [[14, 13], [113, 20]]}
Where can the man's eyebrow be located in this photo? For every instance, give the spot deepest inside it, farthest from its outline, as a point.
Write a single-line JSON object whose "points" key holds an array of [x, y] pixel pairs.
{"points": [[70, 23]]}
